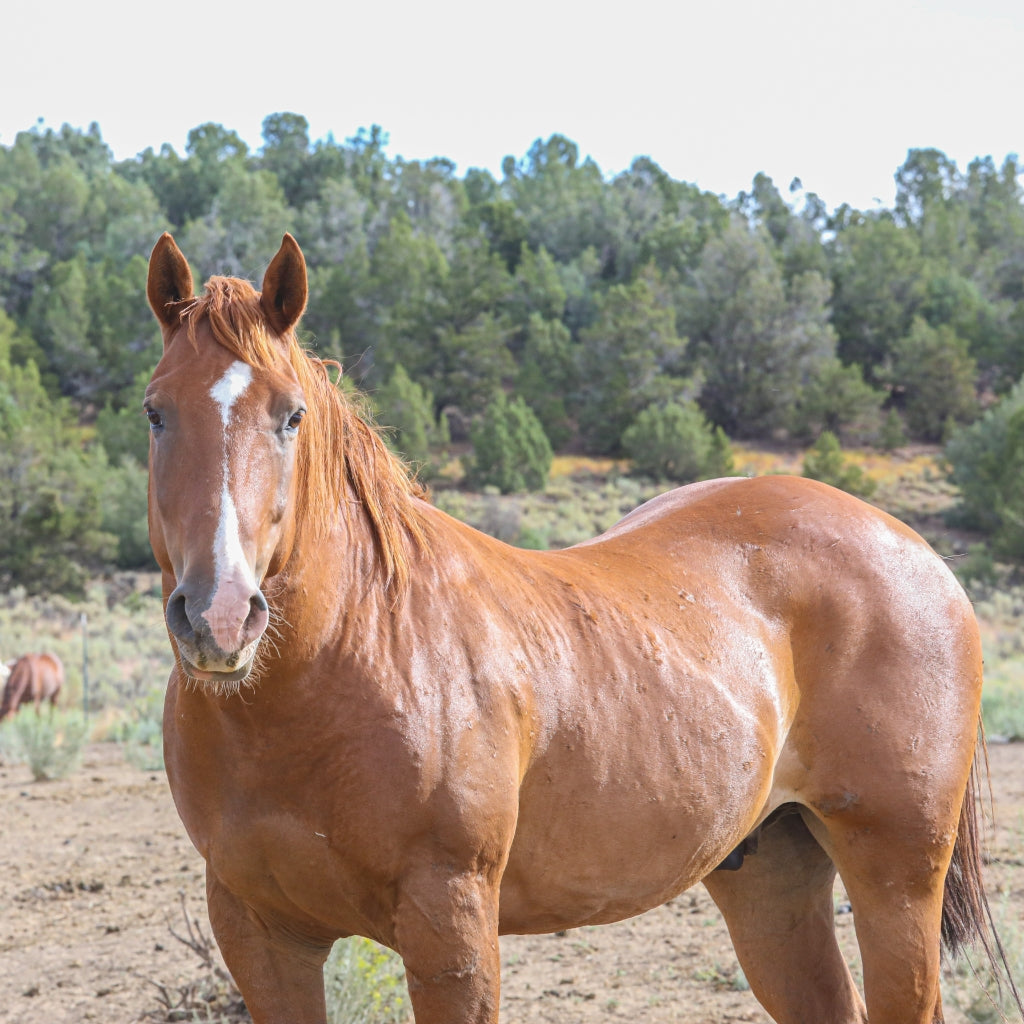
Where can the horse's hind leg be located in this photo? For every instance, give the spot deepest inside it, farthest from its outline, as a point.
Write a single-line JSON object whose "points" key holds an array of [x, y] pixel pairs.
{"points": [[780, 914], [894, 872]]}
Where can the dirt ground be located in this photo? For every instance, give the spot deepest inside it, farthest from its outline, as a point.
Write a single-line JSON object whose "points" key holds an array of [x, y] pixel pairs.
{"points": [[94, 868]]}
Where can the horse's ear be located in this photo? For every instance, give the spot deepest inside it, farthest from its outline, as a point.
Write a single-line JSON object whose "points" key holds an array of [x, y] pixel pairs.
{"points": [[169, 282], [284, 287]]}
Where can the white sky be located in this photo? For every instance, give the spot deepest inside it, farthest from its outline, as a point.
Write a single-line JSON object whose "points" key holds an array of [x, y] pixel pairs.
{"points": [[833, 92]]}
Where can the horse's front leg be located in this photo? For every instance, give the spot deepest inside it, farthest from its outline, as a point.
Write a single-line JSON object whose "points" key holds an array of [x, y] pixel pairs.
{"points": [[446, 930], [279, 975]]}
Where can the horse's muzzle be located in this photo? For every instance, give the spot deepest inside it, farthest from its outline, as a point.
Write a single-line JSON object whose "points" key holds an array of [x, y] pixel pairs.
{"points": [[214, 647]]}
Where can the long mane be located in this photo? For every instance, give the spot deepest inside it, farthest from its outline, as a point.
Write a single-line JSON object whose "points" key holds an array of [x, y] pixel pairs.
{"points": [[338, 450]]}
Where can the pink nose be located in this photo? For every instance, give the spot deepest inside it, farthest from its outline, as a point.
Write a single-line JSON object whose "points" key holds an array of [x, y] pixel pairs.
{"points": [[236, 615], [220, 627]]}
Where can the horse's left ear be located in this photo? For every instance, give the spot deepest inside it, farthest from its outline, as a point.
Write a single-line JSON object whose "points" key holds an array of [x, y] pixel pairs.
{"points": [[284, 287]]}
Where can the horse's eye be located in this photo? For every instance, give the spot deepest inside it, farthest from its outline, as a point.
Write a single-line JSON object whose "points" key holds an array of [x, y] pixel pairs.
{"points": [[295, 419], [155, 419]]}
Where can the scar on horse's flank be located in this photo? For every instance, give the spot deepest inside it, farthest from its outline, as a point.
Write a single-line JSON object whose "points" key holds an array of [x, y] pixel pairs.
{"points": [[454, 739]]}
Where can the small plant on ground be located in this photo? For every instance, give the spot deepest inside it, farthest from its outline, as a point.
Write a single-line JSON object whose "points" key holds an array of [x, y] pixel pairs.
{"points": [[144, 745], [971, 984], [210, 997], [365, 984], [1002, 709], [50, 743]]}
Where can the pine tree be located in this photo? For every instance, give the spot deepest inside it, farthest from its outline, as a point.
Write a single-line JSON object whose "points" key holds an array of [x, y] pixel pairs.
{"points": [[510, 449]]}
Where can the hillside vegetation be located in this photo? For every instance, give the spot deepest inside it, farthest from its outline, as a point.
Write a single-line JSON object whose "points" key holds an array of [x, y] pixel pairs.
{"points": [[551, 311]]}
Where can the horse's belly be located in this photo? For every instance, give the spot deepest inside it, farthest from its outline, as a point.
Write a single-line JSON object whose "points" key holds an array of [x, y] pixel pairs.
{"points": [[606, 837]]}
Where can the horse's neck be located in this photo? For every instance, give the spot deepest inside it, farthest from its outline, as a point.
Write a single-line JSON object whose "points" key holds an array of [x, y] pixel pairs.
{"points": [[333, 587], [325, 581]]}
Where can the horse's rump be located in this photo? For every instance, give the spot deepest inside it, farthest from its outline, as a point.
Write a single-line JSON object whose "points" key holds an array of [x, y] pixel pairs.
{"points": [[33, 678]]}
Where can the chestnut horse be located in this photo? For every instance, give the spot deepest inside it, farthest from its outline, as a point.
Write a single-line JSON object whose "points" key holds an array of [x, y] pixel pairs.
{"points": [[33, 678], [383, 722]]}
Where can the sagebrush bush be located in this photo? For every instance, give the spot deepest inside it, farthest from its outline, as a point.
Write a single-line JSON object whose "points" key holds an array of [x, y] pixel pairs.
{"points": [[1002, 705], [143, 744], [50, 743]]}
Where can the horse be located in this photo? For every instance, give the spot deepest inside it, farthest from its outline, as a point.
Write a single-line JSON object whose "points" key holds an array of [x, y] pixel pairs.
{"points": [[33, 678], [382, 722]]}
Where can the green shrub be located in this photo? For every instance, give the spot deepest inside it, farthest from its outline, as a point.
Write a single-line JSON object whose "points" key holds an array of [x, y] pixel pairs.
{"points": [[143, 742], [125, 513], [51, 744], [892, 435], [675, 442], [1002, 709], [986, 461], [977, 568], [52, 500], [825, 462], [406, 411], [511, 452], [365, 984], [936, 373], [836, 398]]}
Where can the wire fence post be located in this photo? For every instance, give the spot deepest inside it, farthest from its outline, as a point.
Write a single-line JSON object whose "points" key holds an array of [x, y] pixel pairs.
{"points": [[85, 666]]}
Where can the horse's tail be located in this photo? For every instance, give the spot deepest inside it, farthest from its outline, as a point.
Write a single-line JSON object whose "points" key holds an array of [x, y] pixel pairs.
{"points": [[966, 915]]}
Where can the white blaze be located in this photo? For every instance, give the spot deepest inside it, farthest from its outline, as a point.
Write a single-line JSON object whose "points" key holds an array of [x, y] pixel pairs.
{"points": [[230, 563], [232, 385]]}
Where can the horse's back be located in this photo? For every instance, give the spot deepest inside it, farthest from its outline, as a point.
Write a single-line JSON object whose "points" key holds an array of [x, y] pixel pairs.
{"points": [[792, 542]]}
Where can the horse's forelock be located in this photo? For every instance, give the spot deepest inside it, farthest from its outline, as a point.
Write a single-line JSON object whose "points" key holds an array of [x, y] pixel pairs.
{"points": [[232, 308]]}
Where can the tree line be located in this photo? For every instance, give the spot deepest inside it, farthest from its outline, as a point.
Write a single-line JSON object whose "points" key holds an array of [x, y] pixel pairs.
{"points": [[549, 308]]}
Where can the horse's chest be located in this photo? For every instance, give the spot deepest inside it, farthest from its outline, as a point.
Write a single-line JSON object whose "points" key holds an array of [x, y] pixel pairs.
{"points": [[287, 860]]}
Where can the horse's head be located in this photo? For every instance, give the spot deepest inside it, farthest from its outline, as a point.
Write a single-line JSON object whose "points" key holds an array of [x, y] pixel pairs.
{"points": [[225, 406]]}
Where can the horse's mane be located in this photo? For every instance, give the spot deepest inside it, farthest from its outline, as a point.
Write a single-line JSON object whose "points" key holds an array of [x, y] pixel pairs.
{"points": [[379, 481]]}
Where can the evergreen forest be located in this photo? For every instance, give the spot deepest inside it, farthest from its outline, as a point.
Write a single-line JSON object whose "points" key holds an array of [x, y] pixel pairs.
{"points": [[553, 309]]}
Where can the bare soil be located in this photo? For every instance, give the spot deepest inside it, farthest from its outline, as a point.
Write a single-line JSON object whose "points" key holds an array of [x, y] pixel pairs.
{"points": [[94, 869]]}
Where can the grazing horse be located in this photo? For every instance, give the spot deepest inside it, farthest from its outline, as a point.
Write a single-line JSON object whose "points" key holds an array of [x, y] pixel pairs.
{"points": [[383, 722], [33, 678]]}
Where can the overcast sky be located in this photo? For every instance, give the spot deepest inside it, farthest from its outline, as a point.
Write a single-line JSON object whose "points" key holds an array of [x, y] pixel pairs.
{"points": [[833, 93]]}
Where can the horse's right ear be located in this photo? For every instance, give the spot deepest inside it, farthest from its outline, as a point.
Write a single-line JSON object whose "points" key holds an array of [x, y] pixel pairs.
{"points": [[169, 282]]}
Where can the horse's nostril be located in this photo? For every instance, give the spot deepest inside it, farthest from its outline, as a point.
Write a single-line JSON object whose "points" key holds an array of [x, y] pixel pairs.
{"points": [[256, 621], [177, 617]]}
